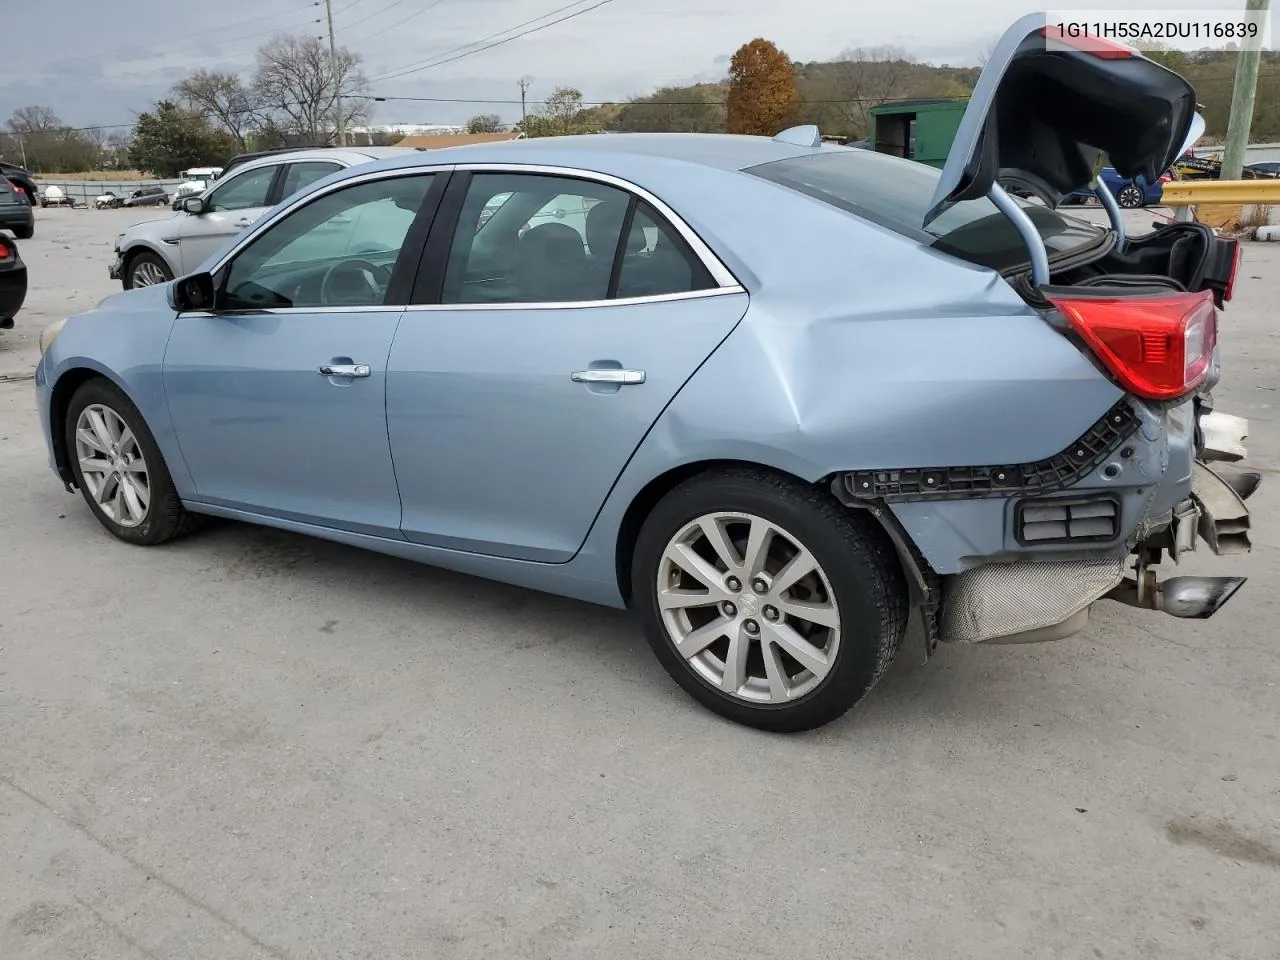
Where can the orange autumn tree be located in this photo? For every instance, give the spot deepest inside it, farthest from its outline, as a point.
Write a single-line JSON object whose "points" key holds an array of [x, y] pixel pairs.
{"points": [[762, 89]]}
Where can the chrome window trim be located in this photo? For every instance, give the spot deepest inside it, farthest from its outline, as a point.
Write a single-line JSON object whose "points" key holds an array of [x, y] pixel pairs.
{"points": [[577, 304], [446, 307], [721, 275]]}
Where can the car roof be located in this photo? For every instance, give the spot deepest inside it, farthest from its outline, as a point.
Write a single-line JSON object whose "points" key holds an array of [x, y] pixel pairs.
{"points": [[351, 155], [603, 152]]}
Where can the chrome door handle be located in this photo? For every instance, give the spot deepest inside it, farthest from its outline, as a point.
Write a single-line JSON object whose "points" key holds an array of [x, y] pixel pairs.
{"points": [[607, 375], [344, 370], [243, 222]]}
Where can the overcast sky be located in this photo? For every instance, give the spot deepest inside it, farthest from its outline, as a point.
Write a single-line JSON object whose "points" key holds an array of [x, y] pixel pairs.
{"points": [[102, 63]]}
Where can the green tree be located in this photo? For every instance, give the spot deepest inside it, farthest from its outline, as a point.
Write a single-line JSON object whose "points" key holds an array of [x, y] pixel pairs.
{"points": [[170, 139], [485, 123], [694, 109], [762, 89], [559, 116]]}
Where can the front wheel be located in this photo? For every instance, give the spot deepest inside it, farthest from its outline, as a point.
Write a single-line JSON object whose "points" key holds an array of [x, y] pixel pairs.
{"points": [[119, 468], [766, 600], [146, 270], [1130, 196]]}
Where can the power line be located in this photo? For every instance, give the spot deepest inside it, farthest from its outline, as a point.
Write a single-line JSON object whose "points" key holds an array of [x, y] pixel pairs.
{"points": [[498, 43], [201, 34], [377, 13], [417, 13]]}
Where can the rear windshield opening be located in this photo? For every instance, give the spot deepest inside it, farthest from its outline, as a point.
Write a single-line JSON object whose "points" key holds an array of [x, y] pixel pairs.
{"points": [[897, 193]]}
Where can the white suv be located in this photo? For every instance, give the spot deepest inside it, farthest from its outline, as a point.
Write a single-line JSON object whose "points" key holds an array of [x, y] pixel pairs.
{"points": [[157, 250]]}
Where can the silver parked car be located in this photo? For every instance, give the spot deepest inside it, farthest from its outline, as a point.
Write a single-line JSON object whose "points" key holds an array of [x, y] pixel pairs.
{"points": [[156, 251], [772, 395]]}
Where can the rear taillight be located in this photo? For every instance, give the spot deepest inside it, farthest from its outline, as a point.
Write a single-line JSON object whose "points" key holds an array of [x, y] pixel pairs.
{"points": [[1231, 280], [6, 252], [1157, 347]]}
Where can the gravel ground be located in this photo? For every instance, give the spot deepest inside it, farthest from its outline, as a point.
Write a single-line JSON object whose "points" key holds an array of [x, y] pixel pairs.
{"points": [[250, 745]]}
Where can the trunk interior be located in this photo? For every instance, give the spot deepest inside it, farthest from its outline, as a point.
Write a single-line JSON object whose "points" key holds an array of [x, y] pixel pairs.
{"points": [[1185, 257]]}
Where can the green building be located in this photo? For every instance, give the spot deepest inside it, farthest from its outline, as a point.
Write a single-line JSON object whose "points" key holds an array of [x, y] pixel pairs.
{"points": [[920, 130]]}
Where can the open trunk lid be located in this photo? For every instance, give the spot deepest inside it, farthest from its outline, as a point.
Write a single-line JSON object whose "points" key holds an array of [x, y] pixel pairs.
{"points": [[1044, 111]]}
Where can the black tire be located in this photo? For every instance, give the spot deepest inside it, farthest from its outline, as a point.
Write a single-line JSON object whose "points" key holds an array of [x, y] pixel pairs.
{"points": [[165, 518], [859, 562], [137, 260], [25, 233], [1130, 197]]}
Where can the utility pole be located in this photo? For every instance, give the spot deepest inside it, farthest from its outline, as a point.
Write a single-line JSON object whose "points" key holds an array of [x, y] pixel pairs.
{"points": [[337, 83], [1242, 96], [524, 87]]}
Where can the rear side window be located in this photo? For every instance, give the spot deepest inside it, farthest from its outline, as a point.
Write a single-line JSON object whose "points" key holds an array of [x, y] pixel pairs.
{"points": [[896, 194]]}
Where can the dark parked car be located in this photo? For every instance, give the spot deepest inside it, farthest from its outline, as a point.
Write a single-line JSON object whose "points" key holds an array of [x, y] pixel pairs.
{"points": [[13, 282], [21, 179], [147, 197], [15, 211], [1128, 193]]}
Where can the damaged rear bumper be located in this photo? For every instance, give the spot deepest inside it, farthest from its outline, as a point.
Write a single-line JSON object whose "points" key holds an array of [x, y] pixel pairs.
{"points": [[1025, 602]]}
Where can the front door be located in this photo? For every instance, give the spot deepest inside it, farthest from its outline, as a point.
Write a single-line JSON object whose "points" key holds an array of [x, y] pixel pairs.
{"points": [[230, 207], [278, 396], [515, 402]]}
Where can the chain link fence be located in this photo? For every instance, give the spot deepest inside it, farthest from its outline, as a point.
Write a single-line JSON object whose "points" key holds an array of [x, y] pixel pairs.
{"points": [[84, 192]]}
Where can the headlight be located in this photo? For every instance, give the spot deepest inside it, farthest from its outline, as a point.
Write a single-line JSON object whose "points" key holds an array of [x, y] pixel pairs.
{"points": [[50, 334]]}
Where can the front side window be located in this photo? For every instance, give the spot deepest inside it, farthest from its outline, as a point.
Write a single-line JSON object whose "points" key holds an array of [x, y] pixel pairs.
{"points": [[244, 192], [532, 238], [336, 251]]}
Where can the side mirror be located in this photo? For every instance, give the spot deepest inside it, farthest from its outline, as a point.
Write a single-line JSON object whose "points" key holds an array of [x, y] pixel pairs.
{"points": [[192, 293], [193, 205]]}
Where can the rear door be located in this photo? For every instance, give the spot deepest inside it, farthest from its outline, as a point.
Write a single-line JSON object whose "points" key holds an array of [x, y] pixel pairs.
{"points": [[538, 358]]}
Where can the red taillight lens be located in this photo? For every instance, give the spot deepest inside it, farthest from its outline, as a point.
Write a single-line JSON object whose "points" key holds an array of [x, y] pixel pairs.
{"points": [[1099, 47], [6, 251], [1231, 280], [1158, 347]]}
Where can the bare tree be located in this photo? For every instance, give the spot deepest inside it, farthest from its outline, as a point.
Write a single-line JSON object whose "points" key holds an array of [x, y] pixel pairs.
{"points": [[295, 87], [867, 76], [485, 123], [222, 97]]}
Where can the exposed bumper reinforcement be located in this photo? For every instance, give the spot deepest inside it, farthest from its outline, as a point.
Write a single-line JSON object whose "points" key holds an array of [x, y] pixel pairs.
{"points": [[1025, 602], [1224, 518]]}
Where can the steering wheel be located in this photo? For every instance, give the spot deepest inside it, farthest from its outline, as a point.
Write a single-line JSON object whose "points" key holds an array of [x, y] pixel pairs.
{"points": [[356, 283]]}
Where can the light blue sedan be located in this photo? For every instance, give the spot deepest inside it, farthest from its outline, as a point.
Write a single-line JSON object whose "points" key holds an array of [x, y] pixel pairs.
{"points": [[772, 395]]}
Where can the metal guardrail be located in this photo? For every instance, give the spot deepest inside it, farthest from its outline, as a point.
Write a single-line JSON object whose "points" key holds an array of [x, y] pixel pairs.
{"points": [[1183, 193]]}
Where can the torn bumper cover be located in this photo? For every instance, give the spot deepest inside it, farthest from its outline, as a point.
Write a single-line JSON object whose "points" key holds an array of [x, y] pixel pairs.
{"points": [[1036, 601]]}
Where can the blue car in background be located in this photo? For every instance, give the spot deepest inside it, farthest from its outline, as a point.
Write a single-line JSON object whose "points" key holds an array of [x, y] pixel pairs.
{"points": [[1130, 194]]}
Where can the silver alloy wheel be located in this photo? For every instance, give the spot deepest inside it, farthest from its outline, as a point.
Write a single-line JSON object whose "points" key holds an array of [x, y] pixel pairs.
{"points": [[1130, 197], [748, 608], [112, 464], [147, 274]]}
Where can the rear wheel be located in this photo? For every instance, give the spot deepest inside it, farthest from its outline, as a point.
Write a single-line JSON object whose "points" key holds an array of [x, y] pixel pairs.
{"points": [[25, 233], [1130, 196], [146, 270], [766, 600], [119, 468]]}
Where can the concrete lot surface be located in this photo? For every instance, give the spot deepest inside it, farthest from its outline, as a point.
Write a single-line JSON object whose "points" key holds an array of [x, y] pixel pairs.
{"points": [[254, 745]]}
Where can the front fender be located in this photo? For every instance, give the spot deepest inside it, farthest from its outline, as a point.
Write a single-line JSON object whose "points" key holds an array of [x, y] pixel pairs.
{"points": [[131, 357]]}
